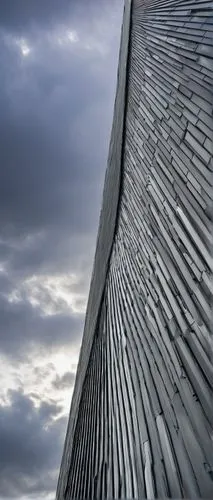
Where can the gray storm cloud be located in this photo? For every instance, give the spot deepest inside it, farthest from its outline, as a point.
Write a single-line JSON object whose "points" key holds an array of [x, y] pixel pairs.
{"points": [[58, 72]]}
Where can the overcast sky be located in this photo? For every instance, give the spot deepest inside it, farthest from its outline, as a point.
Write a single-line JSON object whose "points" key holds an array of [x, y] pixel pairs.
{"points": [[58, 61]]}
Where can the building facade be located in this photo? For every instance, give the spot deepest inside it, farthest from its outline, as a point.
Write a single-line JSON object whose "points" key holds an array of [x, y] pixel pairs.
{"points": [[141, 420]]}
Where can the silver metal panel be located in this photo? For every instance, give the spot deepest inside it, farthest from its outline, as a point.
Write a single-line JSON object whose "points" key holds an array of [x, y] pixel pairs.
{"points": [[141, 421]]}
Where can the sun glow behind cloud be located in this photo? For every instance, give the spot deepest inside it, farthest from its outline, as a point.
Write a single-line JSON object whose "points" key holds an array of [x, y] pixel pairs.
{"points": [[72, 36], [67, 37], [24, 47], [97, 40]]}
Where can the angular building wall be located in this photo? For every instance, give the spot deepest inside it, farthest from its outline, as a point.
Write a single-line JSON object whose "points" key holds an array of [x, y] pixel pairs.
{"points": [[141, 421]]}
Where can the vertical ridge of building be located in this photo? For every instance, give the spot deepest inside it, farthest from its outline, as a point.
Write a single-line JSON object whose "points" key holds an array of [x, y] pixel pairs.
{"points": [[141, 420], [105, 238]]}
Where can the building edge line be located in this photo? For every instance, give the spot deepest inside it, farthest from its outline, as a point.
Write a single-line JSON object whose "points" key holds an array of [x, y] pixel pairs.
{"points": [[73, 415]]}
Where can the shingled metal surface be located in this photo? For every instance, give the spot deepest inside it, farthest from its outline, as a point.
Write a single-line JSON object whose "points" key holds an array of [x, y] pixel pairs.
{"points": [[141, 423], [104, 243]]}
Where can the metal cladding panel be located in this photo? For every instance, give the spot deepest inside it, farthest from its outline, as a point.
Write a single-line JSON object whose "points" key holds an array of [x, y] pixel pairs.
{"points": [[141, 423], [104, 243]]}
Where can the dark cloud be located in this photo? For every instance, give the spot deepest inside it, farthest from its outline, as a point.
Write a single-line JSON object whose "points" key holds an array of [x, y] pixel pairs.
{"points": [[54, 130], [56, 114], [56, 111], [46, 180], [30, 12], [67, 380], [23, 326], [55, 250], [31, 446], [23, 12]]}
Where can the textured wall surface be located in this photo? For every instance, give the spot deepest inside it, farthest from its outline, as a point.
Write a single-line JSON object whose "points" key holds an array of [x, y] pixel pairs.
{"points": [[104, 245], [141, 423]]}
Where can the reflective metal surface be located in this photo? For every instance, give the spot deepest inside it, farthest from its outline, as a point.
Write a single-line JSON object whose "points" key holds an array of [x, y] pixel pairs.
{"points": [[141, 422]]}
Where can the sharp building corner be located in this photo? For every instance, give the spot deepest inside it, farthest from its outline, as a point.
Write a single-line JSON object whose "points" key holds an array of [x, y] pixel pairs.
{"points": [[141, 418]]}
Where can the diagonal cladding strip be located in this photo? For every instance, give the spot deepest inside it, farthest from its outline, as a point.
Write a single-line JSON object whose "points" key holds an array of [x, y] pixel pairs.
{"points": [[105, 238], [144, 415]]}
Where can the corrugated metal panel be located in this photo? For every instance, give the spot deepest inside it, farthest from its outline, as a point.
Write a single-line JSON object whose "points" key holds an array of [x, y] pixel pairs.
{"points": [[141, 420]]}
